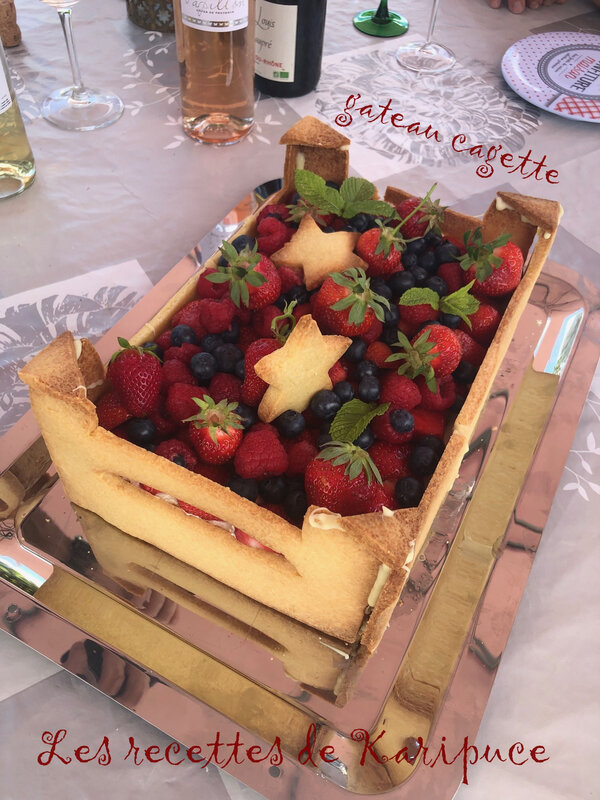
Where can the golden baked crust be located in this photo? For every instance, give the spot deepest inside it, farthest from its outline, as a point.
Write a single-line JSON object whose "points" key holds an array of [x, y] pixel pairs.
{"points": [[324, 575], [314, 146]]}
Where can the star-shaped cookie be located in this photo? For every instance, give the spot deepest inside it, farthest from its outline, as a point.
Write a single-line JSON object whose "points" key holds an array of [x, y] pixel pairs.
{"points": [[317, 253], [299, 369]]}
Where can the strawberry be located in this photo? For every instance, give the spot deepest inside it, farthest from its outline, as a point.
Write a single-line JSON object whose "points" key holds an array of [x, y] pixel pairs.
{"points": [[339, 479], [373, 333], [442, 398], [419, 216], [195, 512], [378, 353], [390, 459], [496, 267], [253, 387], [338, 373], [472, 352], [451, 272], [434, 352], [399, 390], [429, 423], [417, 306], [250, 541], [111, 411], [215, 431], [484, 324], [382, 249], [346, 304], [135, 374], [261, 454], [180, 402], [253, 279], [178, 452], [272, 234]]}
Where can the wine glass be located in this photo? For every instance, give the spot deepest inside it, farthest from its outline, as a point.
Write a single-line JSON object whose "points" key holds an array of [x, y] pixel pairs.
{"points": [[381, 22], [427, 56], [77, 108]]}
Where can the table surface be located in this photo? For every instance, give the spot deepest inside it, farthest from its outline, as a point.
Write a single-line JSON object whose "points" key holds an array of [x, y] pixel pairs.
{"points": [[140, 191]]}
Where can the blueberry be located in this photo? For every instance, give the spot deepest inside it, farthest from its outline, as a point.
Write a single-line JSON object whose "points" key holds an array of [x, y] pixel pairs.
{"points": [[449, 320], [401, 282], [210, 342], [349, 227], [438, 285], [154, 348], [433, 239], [203, 367], [240, 369], [227, 356], [323, 439], [402, 421], [297, 293], [423, 460], [420, 275], [344, 391], [181, 334], [427, 261], [389, 334], [290, 424], [379, 286], [391, 315], [140, 431], [408, 492], [333, 185], [366, 368], [232, 334], [280, 302], [356, 351], [328, 229], [362, 222], [366, 439], [295, 199], [416, 246], [457, 404], [243, 241], [410, 260], [436, 444], [273, 490], [247, 416], [369, 389], [446, 252], [325, 404], [295, 504], [245, 487], [274, 214], [465, 372]]}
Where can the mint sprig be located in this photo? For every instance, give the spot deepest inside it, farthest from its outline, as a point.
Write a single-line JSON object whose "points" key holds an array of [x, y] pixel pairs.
{"points": [[460, 303], [355, 196], [352, 419], [420, 297]]}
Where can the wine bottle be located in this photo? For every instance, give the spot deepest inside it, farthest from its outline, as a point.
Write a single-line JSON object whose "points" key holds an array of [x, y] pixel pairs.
{"points": [[17, 167], [215, 50], [289, 46]]}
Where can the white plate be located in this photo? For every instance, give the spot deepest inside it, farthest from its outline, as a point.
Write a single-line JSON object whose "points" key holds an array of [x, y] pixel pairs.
{"points": [[558, 71]]}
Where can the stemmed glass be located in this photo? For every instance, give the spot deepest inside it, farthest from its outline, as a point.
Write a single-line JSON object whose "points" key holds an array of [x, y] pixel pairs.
{"points": [[427, 56], [381, 21], [77, 108]]}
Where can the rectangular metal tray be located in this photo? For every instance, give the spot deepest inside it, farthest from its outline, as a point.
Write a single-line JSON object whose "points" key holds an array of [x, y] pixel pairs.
{"points": [[200, 658]]}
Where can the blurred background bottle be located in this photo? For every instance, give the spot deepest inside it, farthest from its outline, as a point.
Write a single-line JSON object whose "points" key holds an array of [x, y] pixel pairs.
{"points": [[17, 167], [215, 50], [289, 46]]}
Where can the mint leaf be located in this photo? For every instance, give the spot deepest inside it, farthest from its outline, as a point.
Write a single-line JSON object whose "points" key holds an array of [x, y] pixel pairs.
{"points": [[309, 186], [420, 297], [352, 419], [356, 189], [460, 303], [377, 207]]}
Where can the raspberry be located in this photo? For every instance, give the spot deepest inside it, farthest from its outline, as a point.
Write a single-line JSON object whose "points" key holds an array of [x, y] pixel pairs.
{"points": [[373, 333], [247, 336], [178, 452], [452, 273], [338, 373], [472, 352], [111, 411], [164, 340], [183, 353], [163, 424], [300, 311], [300, 454], [272, 235], [175, 372], [225, 387], [390, 459], [278, 209], [190, 315], [289, 278], [381, 496], [429, 423], [206, 289], [180, 400], [254, 387], [262, 319], [219, 473], [400, 391], [378, 352], [382, 428], [217, 315], [260, 455], [440, 400]]}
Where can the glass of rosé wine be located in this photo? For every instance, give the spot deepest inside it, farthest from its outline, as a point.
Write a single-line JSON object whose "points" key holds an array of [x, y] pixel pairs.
{"points": [[428, 56], [77, 108]]}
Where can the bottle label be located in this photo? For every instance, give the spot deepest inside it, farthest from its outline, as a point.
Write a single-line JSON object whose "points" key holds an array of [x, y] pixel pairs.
{"points": [[5, 98], [275, 55], [215, 15]]}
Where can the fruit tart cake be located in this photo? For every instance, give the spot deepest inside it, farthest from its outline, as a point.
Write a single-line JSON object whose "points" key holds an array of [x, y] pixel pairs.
{"points": [[293, 418]]}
